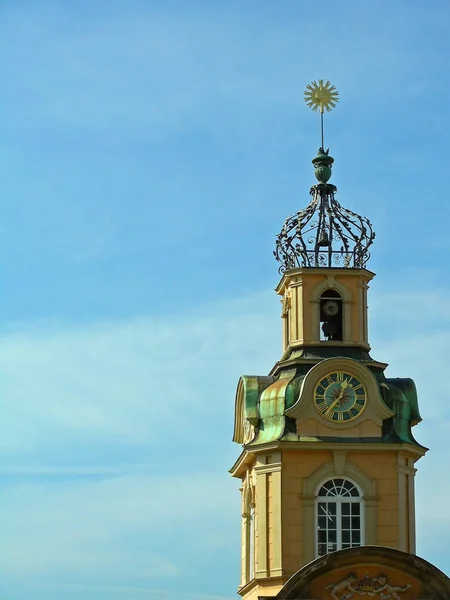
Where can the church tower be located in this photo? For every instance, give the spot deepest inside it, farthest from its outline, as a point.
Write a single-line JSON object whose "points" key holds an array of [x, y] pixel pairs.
{"points": [[328, 455]]}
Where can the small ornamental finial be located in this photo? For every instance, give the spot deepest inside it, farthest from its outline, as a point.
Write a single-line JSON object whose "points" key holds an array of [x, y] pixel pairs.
{"points": [[319, 96]]}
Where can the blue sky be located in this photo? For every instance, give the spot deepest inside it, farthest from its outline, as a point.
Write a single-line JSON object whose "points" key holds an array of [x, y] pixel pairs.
{"points": [[150, 152]]}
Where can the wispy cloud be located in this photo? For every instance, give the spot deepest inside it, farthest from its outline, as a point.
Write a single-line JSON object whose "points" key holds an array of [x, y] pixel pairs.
{"points": [[111, 528], [104, 466], [79, 498], [137, 382]]}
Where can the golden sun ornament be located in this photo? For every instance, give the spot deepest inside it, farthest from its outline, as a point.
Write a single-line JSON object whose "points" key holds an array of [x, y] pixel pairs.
{"points": [[321, 95]]}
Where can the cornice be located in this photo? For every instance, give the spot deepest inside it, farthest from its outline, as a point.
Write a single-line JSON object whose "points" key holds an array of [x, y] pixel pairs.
{"points": [[248, 454], [282, 364], [322, 271], [257, 582]]}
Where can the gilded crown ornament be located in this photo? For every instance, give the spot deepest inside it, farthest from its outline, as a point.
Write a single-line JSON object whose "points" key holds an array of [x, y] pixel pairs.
{"points": [[324, 234]]}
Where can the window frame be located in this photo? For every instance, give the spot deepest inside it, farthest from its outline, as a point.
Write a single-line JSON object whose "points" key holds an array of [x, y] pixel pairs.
{"points": [[339, 500]]}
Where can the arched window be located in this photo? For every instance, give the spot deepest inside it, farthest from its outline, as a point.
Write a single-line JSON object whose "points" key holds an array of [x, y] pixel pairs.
{"points": [[331, 316], [340, 517]]}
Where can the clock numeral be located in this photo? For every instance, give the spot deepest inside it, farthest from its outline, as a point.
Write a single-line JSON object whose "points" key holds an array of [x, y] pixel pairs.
{"points": [[329, 413], [340, 416], [340, 376], [321, 406], [358, 388]]}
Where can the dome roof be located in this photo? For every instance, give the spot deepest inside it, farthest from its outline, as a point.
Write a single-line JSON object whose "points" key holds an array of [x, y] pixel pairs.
{"points": [[324, 234]]}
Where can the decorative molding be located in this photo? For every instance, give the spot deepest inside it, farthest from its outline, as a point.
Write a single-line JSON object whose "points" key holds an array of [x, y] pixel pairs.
{"points": [[330, 283], [312, 484], [247, 456], [339, 457], [248, 496], [271, 468], [352, 585]]}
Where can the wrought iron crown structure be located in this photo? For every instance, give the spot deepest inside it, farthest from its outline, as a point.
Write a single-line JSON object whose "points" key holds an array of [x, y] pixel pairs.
{"points": [[324, 234]]}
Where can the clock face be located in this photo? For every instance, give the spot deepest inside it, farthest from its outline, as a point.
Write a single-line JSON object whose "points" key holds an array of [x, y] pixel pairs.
{"points": [[340, 397]]}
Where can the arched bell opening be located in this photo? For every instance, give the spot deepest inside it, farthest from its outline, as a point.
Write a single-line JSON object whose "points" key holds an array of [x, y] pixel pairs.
{"points": [[331, 316]]}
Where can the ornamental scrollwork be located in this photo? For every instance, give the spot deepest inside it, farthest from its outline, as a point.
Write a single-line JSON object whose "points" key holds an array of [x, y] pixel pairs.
{"points": [[353, 587], [248, 496], [324, 234]]}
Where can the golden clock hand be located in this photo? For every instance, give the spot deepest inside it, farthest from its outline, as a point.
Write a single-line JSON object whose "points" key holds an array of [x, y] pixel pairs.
{"points": [[344, 386], [333, 404]]}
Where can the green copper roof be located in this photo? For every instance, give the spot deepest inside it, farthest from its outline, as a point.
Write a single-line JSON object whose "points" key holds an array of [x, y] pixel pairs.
{"points": [[400, 395], [273, 423], [267, 398]]}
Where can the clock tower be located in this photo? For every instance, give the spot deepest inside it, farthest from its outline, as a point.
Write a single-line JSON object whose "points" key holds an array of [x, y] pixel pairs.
{"points": [[328, 454]]}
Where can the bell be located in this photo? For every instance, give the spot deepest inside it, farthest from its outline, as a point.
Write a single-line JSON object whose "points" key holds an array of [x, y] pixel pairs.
{"points": [[329, 330], [323, 240]]}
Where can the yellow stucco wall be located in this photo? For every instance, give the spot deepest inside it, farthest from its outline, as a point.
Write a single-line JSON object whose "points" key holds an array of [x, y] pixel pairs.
{"points": [[296, 466], [301, 289], [285, 510]]}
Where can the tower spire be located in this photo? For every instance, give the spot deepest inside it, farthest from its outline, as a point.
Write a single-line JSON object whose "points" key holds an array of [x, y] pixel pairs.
{"points": [[324, 234], [327, 466]]}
